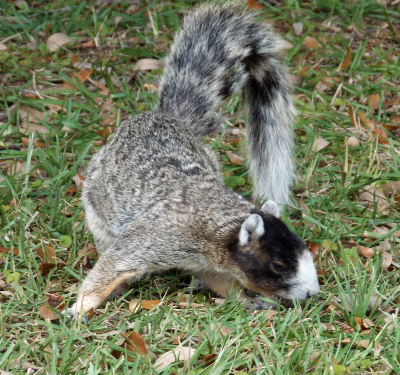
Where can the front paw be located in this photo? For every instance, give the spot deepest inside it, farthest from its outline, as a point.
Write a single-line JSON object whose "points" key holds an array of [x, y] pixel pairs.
{"points": [[73, 313]]}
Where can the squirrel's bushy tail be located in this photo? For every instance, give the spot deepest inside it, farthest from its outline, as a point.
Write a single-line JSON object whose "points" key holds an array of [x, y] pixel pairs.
{"points": [[221, 50]]}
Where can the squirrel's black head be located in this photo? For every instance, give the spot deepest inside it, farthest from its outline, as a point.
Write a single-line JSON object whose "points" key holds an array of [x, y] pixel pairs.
{"points": [[273, 259]]}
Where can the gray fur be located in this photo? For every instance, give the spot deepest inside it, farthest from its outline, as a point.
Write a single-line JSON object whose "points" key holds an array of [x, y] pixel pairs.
{"points": [[154, 197], [234, 52]]}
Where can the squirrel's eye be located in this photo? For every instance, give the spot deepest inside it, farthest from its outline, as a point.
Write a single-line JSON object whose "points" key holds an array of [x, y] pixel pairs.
{"points": [[278, 267]]}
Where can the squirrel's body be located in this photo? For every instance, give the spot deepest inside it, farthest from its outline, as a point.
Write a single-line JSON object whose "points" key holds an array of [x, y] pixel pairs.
{"points": [[154, 197]]}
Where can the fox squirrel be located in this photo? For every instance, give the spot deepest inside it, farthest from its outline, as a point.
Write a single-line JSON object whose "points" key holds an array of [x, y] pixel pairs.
{"points": [[154, 198]]}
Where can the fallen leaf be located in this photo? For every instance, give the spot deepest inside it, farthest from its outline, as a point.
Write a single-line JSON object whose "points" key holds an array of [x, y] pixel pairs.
{"points": [[78, 77], [148, 64], [374, 101], [46, 253], [253, 4], [45, 268], [347, 60], [391, 188], [177, 339], [133, 343], [298, 28], [181, 353], [373, 195], [330, 81], [54, 302], [234, 158], [222, 329], [30, 127], [387, 259], [369, 125], [367, 252], [3, 47], [321, 87], [210, 359], [30, 114], [381, 134], [310, 42], [78, 179], [104, 90], [72, 190], [6, 250], [363, 343], [151, 87], [352, 115], [319, 144], [56, 40], [150, 304]]}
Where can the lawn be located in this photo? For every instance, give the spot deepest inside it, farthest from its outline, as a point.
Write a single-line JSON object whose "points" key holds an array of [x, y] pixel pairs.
{"points": [[71, 71]]}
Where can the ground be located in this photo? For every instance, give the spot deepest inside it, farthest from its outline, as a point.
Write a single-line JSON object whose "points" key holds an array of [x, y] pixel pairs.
{"points": [[71, 71]]}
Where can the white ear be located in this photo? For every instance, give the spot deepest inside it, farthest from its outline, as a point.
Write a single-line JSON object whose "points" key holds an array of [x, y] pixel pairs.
{"points": [[253, 226], [270, 207]]}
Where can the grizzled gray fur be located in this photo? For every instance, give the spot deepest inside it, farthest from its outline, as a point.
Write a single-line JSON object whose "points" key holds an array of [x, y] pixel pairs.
{"points": [[154, 197]]}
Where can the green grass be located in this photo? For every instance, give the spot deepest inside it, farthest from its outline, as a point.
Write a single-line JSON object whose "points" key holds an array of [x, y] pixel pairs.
{"points": [[40, 210]]}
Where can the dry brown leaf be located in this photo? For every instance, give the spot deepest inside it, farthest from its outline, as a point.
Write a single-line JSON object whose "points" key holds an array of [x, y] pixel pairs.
{"points": [[347, 61], [352, 115], [369, 125], [150, 304], [387, 259], [253, 4], [234, 158], [46, 254], [78, 77], [381, 134], [30, 114], [391, 188], [74, 59], [56, 40], [374, 101], [298, 28], [372, 194], [210, 359], [45, 268], [104, 90], [78, 179], [319, 144], [72, 190], [151, 87], [321, 87], [367, 252], [181, 353], [3, 47], [310, 42], [133, 343], [5, 250], [177, 339], [54, 301], [363, 343], [31, 127], [46, 313], [222, 329], [148, 64], [330, 81]]}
